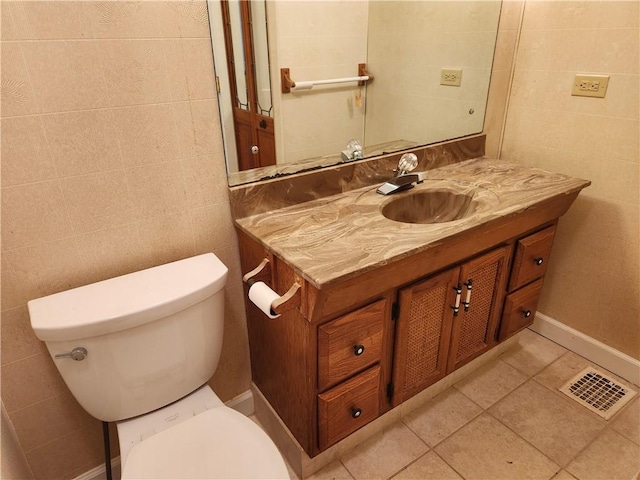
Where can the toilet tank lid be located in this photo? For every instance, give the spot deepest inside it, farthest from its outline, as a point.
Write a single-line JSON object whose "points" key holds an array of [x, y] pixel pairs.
{"points": [[126, 301]]}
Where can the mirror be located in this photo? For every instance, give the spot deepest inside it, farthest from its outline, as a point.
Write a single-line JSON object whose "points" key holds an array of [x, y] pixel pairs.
{"points": [[430, 61], [248, 85]]}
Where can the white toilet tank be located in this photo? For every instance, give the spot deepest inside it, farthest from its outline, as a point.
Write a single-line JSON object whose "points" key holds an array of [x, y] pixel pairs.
{"points": [[151, 336]]}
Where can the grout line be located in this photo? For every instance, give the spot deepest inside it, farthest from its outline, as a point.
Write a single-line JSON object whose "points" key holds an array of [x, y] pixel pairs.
{"points": [[482, 410], [410, 463], [111, 107], [450, 466], [347, 469], [525, 440]]}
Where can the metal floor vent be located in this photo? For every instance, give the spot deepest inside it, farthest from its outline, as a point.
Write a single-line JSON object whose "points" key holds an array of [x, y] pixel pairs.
{"points": [[594, 390]]}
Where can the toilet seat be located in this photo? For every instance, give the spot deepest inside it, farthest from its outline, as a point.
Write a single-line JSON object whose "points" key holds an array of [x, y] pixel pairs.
{"points": [[218, 443]]}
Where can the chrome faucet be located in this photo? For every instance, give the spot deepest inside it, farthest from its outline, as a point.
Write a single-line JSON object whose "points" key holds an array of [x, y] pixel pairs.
{"points": [[403, 179]]}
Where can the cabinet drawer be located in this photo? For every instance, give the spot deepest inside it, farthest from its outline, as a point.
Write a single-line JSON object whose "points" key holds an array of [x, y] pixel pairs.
{"points": [[519, 309], [531, 258], [349, 344], [347, 407]]}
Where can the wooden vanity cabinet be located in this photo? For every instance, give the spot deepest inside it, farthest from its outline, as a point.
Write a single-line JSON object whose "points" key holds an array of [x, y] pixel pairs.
{"points": [[351, 351], [447, 320], [323, 368]]}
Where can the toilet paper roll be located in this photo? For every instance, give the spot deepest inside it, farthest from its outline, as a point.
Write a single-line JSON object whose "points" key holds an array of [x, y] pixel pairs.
{"points": [[262, 297]]}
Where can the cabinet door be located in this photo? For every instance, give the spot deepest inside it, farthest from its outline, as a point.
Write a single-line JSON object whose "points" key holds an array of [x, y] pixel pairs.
{"points": [[483, 282], [423, 332]]}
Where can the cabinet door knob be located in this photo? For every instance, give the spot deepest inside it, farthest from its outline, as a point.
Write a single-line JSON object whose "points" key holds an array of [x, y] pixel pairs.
{"points": [[539, 260], [358, 350], [526, 313], [356, 412]]}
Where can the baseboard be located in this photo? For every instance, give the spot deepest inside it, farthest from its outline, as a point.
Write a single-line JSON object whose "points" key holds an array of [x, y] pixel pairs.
{"points": [[100, 472], [243, 403], [613, 360]]}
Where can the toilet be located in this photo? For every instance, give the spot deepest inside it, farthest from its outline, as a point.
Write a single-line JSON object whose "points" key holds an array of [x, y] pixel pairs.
{"points": [[138, 350]]}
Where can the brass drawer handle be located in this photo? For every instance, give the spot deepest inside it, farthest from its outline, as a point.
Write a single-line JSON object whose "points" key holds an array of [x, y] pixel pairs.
{"points": [[358, 350], [539, 261], [356, 412]]}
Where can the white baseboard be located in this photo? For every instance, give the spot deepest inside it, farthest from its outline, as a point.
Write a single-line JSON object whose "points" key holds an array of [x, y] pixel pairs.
{"points": [[100, 472], [243, 403], [613, 360]]}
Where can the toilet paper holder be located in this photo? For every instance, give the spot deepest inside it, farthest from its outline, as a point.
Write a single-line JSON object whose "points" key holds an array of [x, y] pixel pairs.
{"points": [[286, 302]]}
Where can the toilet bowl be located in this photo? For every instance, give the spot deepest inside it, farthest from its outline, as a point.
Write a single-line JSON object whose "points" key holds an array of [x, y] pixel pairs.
{"points": [[197, 437], [138, 350]]}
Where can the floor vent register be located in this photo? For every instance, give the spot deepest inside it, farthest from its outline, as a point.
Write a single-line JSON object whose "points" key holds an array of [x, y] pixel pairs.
{"points": [[597, 392]]}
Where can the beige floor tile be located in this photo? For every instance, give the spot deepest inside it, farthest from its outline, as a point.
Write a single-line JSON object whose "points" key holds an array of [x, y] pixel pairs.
{"points": [[533, 353], [334, 471], [627, 422], [292, 475], [562, 370], [485, 449], [384, 454], [558, 427], [428, 467], [490, 383], [441, 416], [611, 456]]}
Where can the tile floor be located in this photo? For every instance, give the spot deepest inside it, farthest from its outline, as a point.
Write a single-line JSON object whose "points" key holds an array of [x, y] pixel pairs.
{"points": [[507, 420]]}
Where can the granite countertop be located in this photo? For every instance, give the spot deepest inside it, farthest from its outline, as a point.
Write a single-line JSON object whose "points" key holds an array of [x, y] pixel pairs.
{"points": [[334, 238]]}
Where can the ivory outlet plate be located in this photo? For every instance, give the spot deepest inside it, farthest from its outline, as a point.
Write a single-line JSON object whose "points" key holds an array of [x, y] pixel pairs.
{"points": [[590, 85], [451, 77]]}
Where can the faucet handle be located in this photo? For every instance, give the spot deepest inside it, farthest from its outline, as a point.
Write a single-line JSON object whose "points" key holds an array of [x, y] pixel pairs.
{"points": [[407, 163]]}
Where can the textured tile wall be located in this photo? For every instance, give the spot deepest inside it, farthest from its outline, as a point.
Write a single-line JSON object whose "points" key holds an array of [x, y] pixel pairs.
{"points": [[318, 40], [593, 283], [414, 42], [112, 161]]}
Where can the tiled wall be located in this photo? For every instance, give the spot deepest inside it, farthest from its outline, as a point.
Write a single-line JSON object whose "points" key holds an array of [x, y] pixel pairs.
{"points": [[328, 39], [593, 283], [112, 161], [317, 40], [408, 46]]}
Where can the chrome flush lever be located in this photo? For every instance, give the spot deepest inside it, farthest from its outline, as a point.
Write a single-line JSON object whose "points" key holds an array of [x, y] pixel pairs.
{"points": [[77, 354]]}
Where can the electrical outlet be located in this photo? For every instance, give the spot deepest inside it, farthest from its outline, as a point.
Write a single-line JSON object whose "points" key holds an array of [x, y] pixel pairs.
{"points": [[590, 85], [451, 77]]}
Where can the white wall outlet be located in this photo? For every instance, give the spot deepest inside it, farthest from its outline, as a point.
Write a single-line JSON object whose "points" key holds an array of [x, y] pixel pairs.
{"points": [[590, 85], [451, 77]]}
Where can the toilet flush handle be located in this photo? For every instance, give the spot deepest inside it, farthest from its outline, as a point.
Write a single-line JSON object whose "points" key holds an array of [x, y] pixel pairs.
{"points": [[77, 354]]}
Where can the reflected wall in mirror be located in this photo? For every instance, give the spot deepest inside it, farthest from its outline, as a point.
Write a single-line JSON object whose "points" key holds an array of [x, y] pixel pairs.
{"points": [[406, 46]]}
